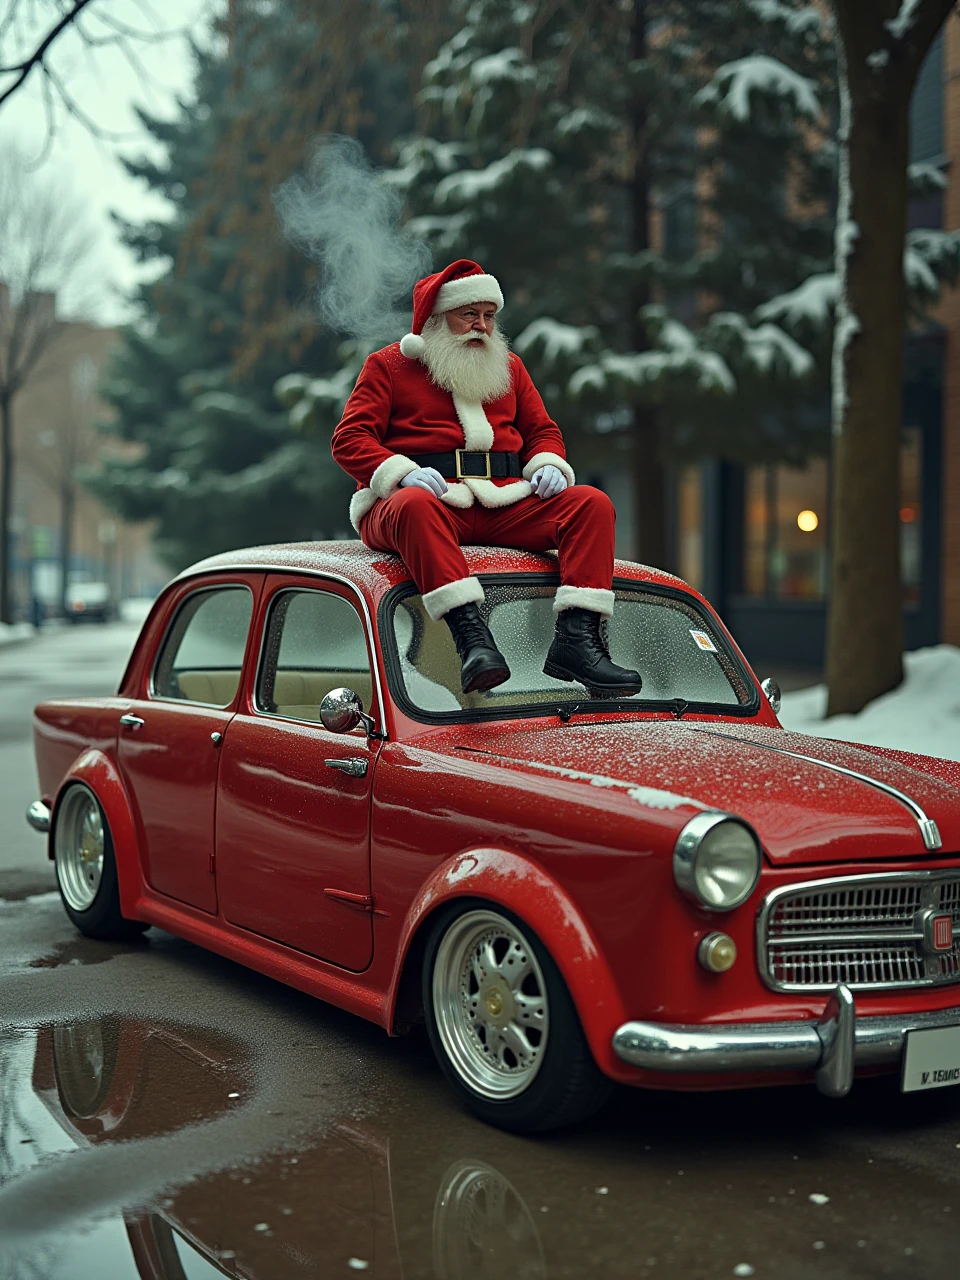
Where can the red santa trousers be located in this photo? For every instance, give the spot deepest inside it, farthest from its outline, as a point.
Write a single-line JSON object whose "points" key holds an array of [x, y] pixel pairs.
{"points": [[427, 535]]}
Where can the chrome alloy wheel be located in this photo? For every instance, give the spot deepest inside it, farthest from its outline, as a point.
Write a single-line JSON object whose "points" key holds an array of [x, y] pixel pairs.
{"points": [[490, 1004], [79, 847]]}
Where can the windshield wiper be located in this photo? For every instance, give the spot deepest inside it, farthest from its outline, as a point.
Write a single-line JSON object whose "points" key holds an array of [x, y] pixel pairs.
{"points": [[678, 706]]}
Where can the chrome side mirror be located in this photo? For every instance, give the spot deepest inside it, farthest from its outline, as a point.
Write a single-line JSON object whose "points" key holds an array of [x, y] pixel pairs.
{"points": [[342, 710], [772, 691]]}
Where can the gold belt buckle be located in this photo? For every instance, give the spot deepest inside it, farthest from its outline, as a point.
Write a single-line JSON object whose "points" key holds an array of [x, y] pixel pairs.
{"points": [[460, 475]]}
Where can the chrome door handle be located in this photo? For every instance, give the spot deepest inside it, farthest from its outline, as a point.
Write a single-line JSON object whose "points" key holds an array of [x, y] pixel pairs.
{"points": [[131, 722], [356, 766]]}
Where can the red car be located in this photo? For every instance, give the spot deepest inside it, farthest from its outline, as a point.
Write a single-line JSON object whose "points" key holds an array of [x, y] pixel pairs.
{"points": [[669, 891]]}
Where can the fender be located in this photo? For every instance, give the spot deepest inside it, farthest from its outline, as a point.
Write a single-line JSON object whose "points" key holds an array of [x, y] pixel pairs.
{"points": [[99, 772], [525, 889]]}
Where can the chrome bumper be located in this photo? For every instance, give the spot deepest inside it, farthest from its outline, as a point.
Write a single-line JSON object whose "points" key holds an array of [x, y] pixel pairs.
{"points": [[38, 815], [832, 1046]]}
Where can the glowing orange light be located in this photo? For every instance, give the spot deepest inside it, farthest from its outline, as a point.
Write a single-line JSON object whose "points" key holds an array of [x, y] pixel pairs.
{"points": [[907, 515], [808, 521]]}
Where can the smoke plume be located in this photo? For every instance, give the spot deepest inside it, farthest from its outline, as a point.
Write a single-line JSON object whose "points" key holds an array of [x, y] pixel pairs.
{"points": [[343, 217]]}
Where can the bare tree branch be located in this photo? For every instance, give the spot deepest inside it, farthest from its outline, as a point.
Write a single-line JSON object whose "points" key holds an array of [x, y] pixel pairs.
{"points": [[35, 59], [35, 52]]}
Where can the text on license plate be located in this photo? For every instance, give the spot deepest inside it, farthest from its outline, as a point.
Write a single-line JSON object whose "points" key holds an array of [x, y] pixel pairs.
{"points": [[931, 1059]]}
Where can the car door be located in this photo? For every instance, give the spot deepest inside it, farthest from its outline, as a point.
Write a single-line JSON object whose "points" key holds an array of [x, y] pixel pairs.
{"points": [[293, 813], [169, 740]]}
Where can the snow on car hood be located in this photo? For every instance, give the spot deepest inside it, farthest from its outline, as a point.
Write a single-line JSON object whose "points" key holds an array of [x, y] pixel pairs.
{"points": [[802, 811]]}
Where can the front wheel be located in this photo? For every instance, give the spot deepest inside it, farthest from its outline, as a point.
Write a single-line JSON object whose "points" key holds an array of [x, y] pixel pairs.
{"points": [[503, 1025], [86, 867]]}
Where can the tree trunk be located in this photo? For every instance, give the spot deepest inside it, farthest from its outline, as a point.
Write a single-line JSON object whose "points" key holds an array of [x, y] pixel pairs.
{"points": [[648, 472], [865, 618], [6, 508]]}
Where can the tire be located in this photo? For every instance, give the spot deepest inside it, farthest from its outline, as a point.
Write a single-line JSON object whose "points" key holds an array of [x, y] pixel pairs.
{"points": [[87, 869], [507, 1038]]}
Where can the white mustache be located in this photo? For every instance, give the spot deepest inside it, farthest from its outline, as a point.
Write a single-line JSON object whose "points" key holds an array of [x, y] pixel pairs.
{"points": [[471, 336]]}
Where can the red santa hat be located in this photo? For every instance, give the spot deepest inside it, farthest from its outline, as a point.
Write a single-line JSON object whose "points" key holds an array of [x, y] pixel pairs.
{"points": [[458, 285]]}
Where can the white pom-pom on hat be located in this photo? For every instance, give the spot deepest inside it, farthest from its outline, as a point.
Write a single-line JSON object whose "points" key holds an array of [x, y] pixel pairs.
{"points": [[412, 346]]}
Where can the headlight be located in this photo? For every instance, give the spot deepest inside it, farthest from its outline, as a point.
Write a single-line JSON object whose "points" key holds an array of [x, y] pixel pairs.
{"points": [[716, 861]]}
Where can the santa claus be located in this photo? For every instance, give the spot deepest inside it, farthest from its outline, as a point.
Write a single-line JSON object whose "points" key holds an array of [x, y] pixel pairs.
{"points": [[450, 443]]}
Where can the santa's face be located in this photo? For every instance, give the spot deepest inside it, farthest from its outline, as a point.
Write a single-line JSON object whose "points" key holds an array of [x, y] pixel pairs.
{"points": [[466, 354]]}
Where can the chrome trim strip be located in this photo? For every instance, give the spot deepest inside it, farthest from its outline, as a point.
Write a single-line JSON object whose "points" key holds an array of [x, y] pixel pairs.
{"points": [[928, 828], [292, 570], [928, 880], [822, 1045], [38, 815]]}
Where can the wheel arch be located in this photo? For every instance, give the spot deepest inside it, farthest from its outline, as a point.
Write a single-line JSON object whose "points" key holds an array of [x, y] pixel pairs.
{"points": [[497, 877], [97, 771]]}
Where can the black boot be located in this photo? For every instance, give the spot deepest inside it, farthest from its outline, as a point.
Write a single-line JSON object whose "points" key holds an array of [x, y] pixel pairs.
{"points": [[580, 653], [482, 664]]}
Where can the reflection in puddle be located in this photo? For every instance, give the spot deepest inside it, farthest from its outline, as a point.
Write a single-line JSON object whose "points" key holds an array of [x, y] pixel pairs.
{"points": [[112, 1088], [138, 1150], [482, 1227]]}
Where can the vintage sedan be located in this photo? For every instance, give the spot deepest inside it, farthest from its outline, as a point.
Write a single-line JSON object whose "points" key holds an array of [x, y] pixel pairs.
{"points": [[669, 890]]}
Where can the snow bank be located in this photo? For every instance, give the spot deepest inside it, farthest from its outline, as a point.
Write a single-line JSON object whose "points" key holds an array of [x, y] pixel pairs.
{"points": [[922, 715]]}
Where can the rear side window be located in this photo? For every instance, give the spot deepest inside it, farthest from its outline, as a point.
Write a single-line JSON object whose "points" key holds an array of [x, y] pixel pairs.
{"points": [[202, 656]]}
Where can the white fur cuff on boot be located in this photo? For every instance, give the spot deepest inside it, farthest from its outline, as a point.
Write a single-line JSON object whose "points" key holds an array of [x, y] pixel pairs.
{"points": [[596, 599], [451, 595]]}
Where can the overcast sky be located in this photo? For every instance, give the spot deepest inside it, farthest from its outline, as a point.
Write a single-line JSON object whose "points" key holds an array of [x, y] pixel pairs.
{"points": [[107, 88]]}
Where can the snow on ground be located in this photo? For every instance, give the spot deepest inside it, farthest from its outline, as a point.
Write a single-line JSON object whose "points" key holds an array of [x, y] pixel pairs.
{"points": [[13, 633], [922, 715]]}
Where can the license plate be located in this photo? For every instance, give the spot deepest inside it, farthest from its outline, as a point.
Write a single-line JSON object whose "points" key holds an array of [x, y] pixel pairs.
{"points": [[931, 1059]]}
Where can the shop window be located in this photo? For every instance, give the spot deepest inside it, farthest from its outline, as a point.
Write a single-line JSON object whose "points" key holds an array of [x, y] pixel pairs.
{"points": [[689, 525], [786, 534], [785, 531]]}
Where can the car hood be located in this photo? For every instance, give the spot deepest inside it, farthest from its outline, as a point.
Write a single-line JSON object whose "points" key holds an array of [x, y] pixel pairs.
{"points": [[803, 810]]}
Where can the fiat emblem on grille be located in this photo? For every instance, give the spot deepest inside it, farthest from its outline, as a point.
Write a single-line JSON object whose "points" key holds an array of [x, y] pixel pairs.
{"points": [[937, 931]]}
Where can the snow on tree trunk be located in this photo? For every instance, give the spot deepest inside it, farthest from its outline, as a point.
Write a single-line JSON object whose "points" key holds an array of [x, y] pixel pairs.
{"points": [[882, 48]]}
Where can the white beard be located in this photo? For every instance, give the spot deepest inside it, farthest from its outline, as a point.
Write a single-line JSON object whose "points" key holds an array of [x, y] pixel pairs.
{"points": [[474, 374]]}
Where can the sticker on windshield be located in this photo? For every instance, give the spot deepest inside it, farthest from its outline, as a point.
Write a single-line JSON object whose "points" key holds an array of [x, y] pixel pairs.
{"points": [[703, 641]]}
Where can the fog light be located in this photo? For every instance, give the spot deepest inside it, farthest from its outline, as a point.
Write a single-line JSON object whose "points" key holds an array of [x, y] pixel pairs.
{"points": [[717, 952]]}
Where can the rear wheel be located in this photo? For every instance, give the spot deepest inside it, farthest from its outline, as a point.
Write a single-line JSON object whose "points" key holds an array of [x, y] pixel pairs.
{"points": [[503, 1025], [86, 867]]}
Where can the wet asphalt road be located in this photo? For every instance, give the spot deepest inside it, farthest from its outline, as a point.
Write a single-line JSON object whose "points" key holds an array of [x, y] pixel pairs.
{"points": [[167, 1114]]}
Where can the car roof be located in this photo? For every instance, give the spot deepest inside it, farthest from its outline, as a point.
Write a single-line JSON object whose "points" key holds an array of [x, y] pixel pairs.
{"points": [[377, 571]]}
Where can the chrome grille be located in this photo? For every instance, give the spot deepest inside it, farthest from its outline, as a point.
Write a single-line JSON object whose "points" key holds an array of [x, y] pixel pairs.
{"points": [[866, 931]]}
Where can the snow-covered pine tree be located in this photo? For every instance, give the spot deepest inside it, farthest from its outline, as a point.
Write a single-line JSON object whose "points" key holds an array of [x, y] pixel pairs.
{"points": [[218, 462], [638, 199]]}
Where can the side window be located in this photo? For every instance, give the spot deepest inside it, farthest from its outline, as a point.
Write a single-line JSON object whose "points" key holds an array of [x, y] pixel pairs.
{"points": [[202, 654], [315, 643]]}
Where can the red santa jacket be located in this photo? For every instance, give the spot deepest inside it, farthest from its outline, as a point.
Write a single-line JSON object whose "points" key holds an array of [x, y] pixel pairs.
{"points": [[395, 410]]}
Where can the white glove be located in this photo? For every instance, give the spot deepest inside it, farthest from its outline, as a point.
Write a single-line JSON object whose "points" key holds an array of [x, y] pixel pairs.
{"points": [[425, 478], [548, 481]]}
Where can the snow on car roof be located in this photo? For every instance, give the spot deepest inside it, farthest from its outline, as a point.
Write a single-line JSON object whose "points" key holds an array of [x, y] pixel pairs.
{"points": [[378, 571]]}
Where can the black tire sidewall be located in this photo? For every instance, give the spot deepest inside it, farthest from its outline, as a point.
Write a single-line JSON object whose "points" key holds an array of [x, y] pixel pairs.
{"points": [[548, 1102], [103, 918]]}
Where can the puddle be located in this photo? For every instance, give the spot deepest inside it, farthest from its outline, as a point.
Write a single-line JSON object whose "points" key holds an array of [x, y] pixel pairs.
{"points": [[84, 951], [132, 1147]]}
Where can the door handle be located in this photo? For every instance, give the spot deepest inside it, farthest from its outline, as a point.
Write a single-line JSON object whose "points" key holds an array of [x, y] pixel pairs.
{"points": [[356, 766], [131, 722]]}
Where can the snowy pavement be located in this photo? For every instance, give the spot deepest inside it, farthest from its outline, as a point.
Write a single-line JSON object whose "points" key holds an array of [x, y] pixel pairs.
{"points": [[922, 715]]}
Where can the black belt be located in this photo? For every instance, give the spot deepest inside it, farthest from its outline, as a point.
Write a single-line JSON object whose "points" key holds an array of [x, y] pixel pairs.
{"points": [[471, 463]]}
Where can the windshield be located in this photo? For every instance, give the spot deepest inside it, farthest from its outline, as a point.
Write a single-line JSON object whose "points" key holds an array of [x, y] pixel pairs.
{"points": [[677, 650]]}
